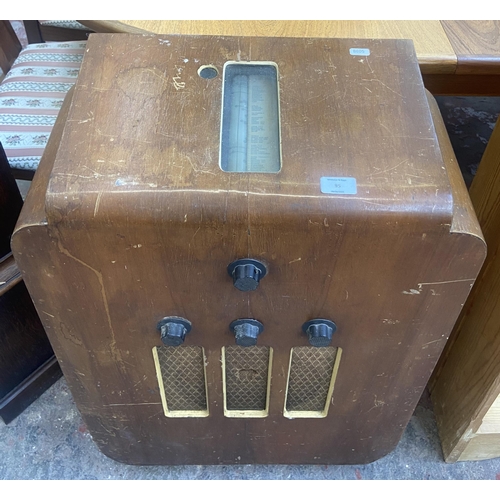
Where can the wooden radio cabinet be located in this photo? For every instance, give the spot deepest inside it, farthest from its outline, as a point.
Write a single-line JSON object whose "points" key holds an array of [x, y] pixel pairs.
{"points": [[248, 250]]}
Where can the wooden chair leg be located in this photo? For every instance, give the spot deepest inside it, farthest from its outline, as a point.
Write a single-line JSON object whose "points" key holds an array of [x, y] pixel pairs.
{"points": [[33, 32]]}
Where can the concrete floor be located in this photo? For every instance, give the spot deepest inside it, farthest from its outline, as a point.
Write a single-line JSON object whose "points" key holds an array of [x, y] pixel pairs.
{"points": [[50, 441]]}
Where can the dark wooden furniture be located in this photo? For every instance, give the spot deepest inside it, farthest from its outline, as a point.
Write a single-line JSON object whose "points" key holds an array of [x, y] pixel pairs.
{"points": [[9, 46], [43, 31], [367, 224], [27, 363]]}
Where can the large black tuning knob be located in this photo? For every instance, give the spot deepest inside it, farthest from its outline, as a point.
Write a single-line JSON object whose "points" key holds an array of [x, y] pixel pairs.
{"points": [[246, 331], [173, 330], [246, 273], [319, 331]]}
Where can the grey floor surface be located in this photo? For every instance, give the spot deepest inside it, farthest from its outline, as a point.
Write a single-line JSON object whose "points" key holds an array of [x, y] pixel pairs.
{"points": [[50, 441]]}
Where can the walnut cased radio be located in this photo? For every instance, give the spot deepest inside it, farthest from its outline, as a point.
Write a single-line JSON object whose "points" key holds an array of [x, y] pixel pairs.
{"points": [[248, 250]]}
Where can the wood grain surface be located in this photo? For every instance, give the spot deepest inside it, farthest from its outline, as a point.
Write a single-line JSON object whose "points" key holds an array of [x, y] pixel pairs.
{"points": [[476, 44], [135, 221], [468, 383], [434, 52]]}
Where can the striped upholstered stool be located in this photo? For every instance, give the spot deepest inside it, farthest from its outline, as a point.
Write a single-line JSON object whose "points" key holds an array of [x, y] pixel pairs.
{"points": [[30, 97]]}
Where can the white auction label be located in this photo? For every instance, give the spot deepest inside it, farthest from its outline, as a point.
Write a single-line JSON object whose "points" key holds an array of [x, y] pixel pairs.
{"points": [[338, 185]]}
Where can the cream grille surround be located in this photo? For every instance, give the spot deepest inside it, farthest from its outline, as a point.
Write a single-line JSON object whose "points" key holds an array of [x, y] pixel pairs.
{"points": [[246, 380], [246, 377], [311, 379], [182, 380]]}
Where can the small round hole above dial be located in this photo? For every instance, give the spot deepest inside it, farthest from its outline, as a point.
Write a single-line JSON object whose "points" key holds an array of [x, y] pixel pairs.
{"points": [[208, 72]]}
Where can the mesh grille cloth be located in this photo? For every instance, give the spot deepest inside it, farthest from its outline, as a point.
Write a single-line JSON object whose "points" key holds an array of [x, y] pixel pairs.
{"points": [[183, 377], [246, 377], [309, 379]]}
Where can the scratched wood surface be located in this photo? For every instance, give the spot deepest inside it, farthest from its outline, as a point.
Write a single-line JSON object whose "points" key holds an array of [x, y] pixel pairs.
{"points": [[455, 57], [134, 220], [468, 382], [434, 51]]}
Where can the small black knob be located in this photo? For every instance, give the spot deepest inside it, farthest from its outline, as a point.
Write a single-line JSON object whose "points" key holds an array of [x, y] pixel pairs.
{"points": [[246, 331], [319, 331], [173, 330], [246, 273]]}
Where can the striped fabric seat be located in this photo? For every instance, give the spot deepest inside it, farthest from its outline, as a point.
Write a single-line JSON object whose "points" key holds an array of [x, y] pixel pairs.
{"points": [[72, 25], [31, 95]]}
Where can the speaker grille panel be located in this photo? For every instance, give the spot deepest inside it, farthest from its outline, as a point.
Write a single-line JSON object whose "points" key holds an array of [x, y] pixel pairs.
{"points": [[246, 373], [310, 381], [181, 377]]}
